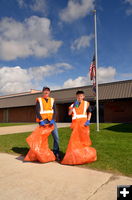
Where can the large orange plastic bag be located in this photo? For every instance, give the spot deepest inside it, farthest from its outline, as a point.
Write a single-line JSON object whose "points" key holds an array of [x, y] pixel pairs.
{"points": [[79, 150], [38, 142]]}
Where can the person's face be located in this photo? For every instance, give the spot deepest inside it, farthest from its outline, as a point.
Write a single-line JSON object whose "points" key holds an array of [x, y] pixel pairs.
{"points": [[80, 97], [46, 93]]}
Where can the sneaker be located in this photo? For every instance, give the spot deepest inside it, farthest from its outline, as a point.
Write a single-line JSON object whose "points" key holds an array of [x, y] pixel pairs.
{"points": [[57, 157]]}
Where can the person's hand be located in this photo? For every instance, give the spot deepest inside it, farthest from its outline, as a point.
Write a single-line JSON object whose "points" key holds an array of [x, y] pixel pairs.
{"points": [[52, 122], [87, 123], [42, 123], [76, 104]]}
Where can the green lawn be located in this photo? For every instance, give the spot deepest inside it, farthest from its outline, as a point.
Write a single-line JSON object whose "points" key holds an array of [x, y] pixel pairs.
{"points": [[13, 124], [113, 144]]}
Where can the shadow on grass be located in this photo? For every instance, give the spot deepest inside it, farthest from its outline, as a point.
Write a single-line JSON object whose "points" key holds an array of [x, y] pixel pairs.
{"points": [[24, 150], [125, 128], [21, 150]]}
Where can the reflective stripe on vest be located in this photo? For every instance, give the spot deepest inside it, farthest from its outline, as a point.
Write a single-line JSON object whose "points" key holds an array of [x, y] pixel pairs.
{"points": [[78, 116], [52, 102], [42, 111], [46, 111]]}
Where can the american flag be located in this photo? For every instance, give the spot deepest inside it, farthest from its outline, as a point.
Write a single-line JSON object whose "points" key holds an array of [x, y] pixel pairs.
{"points": [[93, 74], [93, 69]]}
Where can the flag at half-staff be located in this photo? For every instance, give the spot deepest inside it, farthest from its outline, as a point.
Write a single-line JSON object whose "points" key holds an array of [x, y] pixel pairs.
{"points": [[93, 74]]}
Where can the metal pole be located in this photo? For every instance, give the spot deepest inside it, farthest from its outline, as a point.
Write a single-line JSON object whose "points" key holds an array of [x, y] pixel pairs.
{"points": [[96, 64]]}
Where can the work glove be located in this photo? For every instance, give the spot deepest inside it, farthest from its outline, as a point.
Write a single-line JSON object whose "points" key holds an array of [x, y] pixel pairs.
{"points": [[87, 123], [76, 104], [42, 123], [52, 122]]}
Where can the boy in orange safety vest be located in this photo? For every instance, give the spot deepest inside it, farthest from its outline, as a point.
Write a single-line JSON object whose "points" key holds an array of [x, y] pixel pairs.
{"points": [[45, 114], [79, 150], [81, 109]]}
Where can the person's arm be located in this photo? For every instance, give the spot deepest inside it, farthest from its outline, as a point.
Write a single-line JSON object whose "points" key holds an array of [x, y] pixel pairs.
{"points": [[54, 109], [38, 111], [75, 104], [70, 111], [89, 114], [54, 115], [89, 111]]}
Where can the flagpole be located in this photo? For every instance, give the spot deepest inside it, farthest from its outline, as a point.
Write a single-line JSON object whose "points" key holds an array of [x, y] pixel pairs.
{"points": [[96, 64]]}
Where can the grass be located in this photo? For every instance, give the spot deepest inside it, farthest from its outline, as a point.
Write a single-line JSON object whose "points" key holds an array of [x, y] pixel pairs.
{"points": [[13, 124], [113, 144]]}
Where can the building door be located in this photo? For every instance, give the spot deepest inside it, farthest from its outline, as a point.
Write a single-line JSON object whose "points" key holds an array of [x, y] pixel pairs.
{"points": [[101, 112], [5, 115], [62, 112]]}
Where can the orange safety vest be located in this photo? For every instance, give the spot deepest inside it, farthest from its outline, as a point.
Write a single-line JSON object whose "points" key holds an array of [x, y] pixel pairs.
{"points": [[46, 108], [81, 111]]}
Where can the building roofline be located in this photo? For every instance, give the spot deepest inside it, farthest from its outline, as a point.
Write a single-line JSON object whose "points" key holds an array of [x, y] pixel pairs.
{"points": [[64, 89], [20, 94], [85, 86]]}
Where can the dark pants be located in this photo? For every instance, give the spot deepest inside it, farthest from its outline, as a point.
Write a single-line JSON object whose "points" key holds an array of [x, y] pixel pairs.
{"points": [[55, 137]]}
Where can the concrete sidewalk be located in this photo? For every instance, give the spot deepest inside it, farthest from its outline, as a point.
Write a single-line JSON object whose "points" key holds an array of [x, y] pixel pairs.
{"points": [[52, 181], [25, 128]]}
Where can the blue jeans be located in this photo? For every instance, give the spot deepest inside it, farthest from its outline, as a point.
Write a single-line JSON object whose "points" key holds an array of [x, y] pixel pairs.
{"points": [[55, 137]]}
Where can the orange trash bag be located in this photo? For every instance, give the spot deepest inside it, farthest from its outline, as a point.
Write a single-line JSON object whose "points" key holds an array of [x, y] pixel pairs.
{"points": [[79, 150], [39, 148]]}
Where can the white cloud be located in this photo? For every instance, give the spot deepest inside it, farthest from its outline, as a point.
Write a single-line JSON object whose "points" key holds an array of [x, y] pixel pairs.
{"points": [[35, 5], [79, 81], [76, 9], [105, 74], [17, 79], [38, 5], [128, 1], [38, 73], [21, 3], [125, 75], [129, 10], [14, 79], [33, 37], [82, 42]]}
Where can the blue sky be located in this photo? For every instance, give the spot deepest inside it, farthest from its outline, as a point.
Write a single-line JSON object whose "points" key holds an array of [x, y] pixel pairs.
{"points": [[46, 42]]}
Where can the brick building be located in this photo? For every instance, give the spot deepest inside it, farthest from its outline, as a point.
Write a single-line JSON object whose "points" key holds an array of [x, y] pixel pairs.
{"points": [[115, 103]]}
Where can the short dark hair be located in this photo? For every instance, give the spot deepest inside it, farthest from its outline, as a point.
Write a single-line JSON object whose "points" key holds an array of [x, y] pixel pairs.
{"points": [[46, 88], [79, 92]]}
